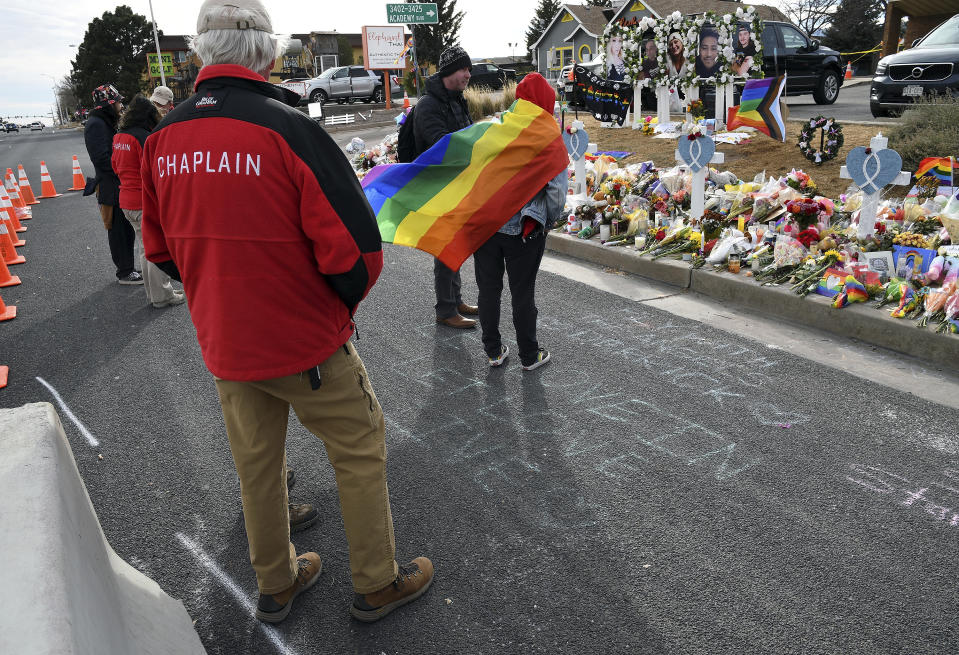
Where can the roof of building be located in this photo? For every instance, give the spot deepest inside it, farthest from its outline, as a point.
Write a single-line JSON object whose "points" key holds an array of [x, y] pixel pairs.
{"points": [[693, 7], [593, 19]]}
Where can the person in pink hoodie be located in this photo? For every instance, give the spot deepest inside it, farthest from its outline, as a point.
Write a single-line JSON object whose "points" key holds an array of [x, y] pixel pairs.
{"points": [[517, 249]]}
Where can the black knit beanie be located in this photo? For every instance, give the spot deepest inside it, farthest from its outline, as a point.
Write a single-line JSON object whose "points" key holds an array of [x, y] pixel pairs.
{"points": [[452, 60]]}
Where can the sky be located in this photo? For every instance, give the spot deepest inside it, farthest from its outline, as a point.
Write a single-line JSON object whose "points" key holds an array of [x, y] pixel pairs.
{"points": [[36, 35]]}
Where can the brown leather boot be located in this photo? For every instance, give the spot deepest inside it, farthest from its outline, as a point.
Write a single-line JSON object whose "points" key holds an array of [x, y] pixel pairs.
{"points": [[411, 582], [467, 310], [457, 321], [273, 608], [302, 516]]}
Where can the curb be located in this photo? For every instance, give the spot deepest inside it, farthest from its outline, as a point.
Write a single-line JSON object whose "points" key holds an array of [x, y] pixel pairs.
{"points": [[858, 321]]}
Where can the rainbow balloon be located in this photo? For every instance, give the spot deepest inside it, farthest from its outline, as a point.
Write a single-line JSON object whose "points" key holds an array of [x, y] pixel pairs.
{"points": [[457, 194]]}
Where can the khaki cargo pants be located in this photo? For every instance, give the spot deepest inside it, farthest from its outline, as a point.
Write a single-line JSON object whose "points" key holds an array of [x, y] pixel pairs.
{"points": [[346, 416]]}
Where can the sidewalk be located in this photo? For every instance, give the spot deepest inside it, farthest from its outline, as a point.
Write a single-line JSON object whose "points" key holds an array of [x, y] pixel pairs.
{"points": [[857, 321]]}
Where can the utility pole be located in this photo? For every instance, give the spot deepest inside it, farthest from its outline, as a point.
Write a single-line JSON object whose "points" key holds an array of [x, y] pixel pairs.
{"points": [[156, 41]]}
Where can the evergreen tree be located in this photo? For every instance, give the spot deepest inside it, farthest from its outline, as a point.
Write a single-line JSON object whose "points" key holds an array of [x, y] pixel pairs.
{"points": [[345, 51], [545, 11], [113, 51], [856, 25], [431, 40], [599, 3]]}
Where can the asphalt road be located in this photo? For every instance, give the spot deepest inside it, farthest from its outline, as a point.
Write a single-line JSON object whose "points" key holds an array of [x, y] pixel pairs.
{"points": [[852, 105], [664, 486]]}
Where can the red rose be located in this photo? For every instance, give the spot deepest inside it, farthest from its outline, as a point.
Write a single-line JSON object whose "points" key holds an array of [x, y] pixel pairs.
{"points": [[661, 235]]}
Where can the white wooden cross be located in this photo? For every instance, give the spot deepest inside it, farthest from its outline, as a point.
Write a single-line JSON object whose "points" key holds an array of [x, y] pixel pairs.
{"points": [[869, 175], [697, 196], [662, 104], [577, 154]]}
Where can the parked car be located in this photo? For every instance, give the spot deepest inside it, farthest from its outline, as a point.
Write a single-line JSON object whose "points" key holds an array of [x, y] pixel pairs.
{"points": [[930, 66], [348, 84], [35, 125], [491, 76], [11, 127]]}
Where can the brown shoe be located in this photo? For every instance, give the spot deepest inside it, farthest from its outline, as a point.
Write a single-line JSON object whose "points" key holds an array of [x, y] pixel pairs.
{"points": [[411, 582], [457, 321], [273, 608], [467, 310], [302, 516]]}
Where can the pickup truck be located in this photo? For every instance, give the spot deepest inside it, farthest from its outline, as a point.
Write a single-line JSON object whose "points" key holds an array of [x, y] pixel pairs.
{"points": [[348, 84], [810, 67]]}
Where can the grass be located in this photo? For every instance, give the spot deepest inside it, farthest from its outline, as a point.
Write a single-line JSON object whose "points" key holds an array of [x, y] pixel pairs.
{"points": [[485, 102], [759, 154], [930, 128]]}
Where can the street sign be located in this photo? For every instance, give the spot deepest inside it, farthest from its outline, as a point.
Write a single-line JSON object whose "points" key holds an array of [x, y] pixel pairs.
{"points": [[154, 63], [415, 13]]}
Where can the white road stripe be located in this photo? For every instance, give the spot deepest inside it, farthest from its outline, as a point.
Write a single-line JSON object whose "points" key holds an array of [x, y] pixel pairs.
{"points": [[207, 562], [66, 410]]}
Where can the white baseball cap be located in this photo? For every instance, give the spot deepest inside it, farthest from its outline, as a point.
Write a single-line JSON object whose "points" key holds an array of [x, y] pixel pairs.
{"points": [[233, 15], [162, 95]]}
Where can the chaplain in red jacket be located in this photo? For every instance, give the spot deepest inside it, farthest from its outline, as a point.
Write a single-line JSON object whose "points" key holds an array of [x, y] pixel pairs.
{"points": [[255, 207]]}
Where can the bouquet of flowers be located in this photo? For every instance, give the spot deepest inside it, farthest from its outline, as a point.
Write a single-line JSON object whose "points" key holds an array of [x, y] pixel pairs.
{"points": [[812, 272], [805, 212], [927, 187], [649, 125], [697, 109], [801, 182], [951, 314]]}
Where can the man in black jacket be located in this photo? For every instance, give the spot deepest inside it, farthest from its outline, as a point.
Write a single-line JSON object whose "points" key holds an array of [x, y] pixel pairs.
{"points": [[441, 111], [98, 134]]}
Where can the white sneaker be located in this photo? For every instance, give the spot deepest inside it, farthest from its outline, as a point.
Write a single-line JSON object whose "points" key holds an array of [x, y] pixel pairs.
{"points": [[542, 357], [178, 298]]}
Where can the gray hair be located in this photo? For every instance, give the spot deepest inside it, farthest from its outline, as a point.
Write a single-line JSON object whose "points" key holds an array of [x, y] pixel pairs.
{"points": [[253, 49]]}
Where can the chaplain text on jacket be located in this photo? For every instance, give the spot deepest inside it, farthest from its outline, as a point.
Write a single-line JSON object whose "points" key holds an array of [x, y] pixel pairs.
{"points": [[226, 163]]}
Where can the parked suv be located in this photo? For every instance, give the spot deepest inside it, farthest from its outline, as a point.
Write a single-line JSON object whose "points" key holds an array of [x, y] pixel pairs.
{"points": [[931, 65], [348, 84]]}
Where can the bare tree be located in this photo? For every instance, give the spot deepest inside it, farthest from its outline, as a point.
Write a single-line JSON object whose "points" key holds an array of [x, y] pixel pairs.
{"points": [[811, 15]]}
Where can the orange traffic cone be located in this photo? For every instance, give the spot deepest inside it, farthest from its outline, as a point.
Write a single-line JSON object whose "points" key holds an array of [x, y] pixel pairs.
{"points": [[79, 181], [7, 311], [10, 213], [12, 189], [4, 371], [7, 251], [20, 208], [10, 219], [406, 100], [25, 190], [848, 75], [7, 280], [47, 190]]}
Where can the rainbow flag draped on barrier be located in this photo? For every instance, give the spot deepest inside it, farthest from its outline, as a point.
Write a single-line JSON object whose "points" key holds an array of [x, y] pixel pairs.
{"points": [[946, 169], [759, 107], [457, 194]]}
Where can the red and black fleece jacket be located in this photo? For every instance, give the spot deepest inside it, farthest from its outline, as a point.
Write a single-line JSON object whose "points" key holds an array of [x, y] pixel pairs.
{"points": [[265, 222]]}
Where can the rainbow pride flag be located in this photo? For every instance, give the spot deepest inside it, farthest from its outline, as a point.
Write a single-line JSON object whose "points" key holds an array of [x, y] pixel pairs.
{"points": [[944, 168], [457, 194], [759, 107]]}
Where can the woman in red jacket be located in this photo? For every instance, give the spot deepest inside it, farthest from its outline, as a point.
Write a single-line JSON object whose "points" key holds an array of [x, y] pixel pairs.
{"points": [[135, 126]]}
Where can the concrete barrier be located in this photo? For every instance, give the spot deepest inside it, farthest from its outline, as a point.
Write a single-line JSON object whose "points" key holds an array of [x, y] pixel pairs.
{"points": [[857, 321], [64, 589]]}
